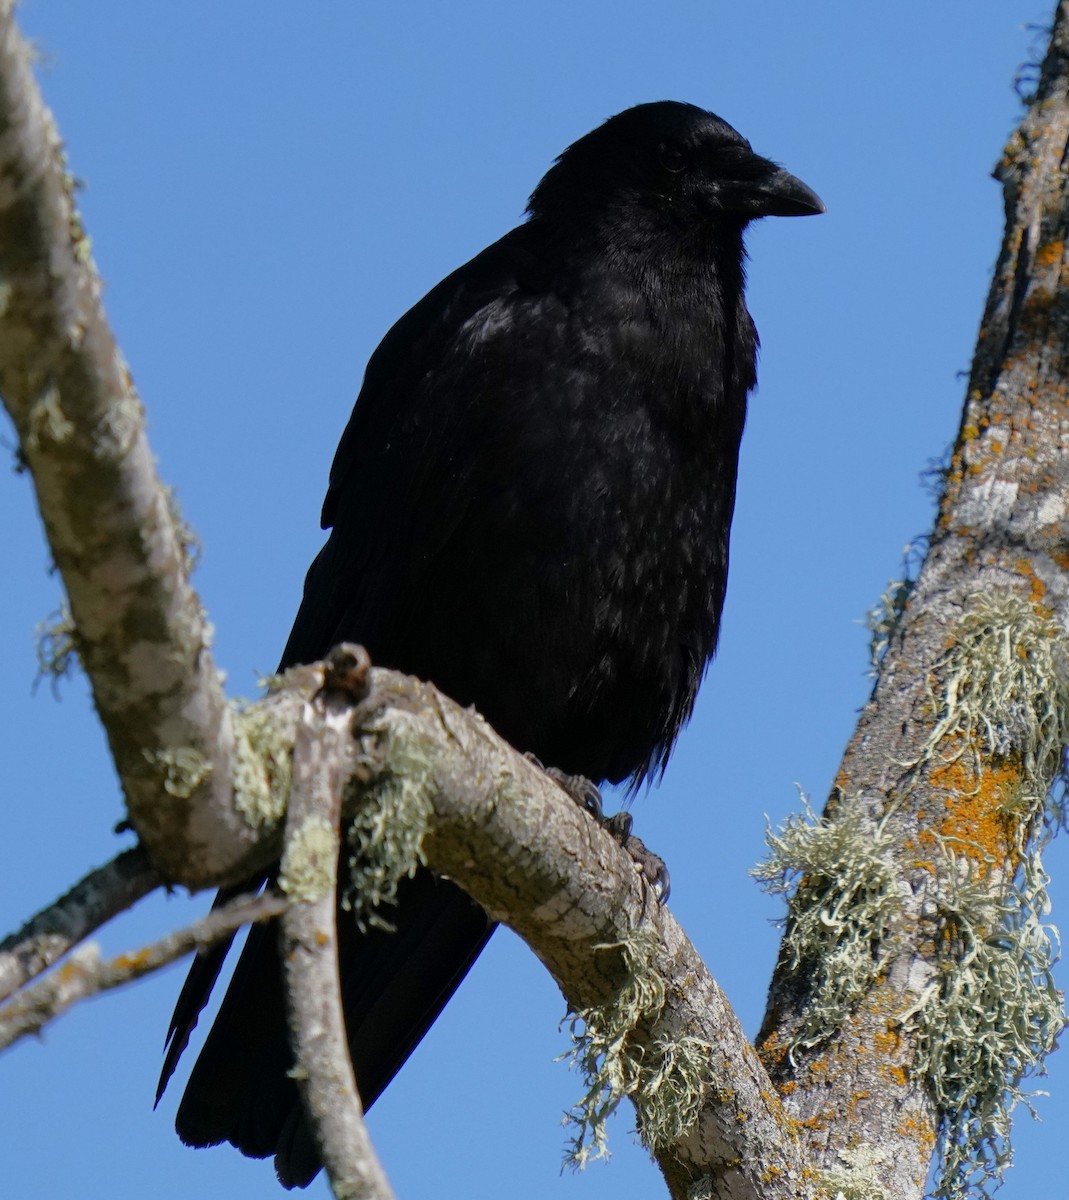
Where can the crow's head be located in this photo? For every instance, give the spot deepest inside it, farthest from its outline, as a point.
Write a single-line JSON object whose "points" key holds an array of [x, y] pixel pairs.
{"points": [[671, 159]]}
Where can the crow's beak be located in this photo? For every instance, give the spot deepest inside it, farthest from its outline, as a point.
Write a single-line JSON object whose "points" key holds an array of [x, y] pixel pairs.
{"points": [[781, 194], [762, 189]]}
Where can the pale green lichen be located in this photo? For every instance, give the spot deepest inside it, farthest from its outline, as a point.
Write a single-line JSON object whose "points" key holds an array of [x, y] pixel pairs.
{"points": [[859, 1177], [57, 645], [666, 1079], [672, 1089], [884, 617], [273, 684], [184, 769], [47, 425], [189, 546], [263, 761], [987, 1021], [121, 424], [81, 243], [309, 861], [1000, 693], [1001, 689], [839, 876], [386, 834]]}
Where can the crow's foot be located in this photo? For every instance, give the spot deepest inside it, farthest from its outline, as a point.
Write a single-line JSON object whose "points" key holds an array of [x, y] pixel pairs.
{"points": [[588, 797], [648, 864]]}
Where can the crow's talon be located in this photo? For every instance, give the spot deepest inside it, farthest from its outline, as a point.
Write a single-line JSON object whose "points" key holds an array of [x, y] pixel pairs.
{"points": [[582, 790], [619, 825], [652, 867], [586, 794]]}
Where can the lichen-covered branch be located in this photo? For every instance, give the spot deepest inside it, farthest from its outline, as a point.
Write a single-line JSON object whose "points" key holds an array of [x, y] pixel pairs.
{"points": [[431, 782], [914, 990], [534, 859], [85, 974], [207, 785], [94, 900], [322, 762], [913, 994], [138, 626]]}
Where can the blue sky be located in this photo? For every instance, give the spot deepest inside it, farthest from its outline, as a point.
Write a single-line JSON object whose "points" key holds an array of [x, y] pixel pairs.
{"points": [[268, 187]]}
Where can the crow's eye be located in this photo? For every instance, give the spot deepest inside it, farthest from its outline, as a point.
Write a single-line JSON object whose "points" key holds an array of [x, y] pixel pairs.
{"points": [[673, 159]]}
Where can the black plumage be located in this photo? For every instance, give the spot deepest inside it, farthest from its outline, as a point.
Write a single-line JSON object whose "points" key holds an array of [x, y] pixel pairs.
{"points": [[530, 507]]}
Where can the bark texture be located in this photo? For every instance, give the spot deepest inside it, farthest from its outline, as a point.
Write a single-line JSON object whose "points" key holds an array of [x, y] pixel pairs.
{"points": [[919, 889], [137, 624], [86, 974], [101, 895], [940, 797]]}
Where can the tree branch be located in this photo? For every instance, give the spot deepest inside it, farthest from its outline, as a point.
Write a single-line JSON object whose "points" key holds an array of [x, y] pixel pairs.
{"points": [[84, 974], [101, 895], [139, 627], [481, 813], [498, 826], [913, 989], [323, 760], [942, 785]]}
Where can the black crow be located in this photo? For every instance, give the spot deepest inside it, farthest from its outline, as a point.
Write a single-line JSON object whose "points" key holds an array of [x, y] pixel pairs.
{"points": [[530, 507]]}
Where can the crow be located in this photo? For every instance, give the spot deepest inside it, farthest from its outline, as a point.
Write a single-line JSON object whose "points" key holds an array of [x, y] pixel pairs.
{"points": [[530, 507]]}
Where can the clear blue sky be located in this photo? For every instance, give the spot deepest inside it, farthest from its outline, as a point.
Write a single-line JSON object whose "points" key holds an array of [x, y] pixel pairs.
{"points": [[268, 186]]}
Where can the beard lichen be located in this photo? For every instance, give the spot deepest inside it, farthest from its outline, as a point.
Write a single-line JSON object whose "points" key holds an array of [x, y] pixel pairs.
{"points": [[57, 645], [992, 1013], [987, 1020], [386, 833], [1001, 688], [998, 698], [665, 1078], [838, 873], [884, 618]]}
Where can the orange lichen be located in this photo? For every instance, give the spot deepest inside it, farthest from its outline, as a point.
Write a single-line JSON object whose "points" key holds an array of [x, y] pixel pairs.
{"points": [[888, 1040], [137, 960], [922, 1132], [773, 1052], [1038, 588], [825, 1119], [978, 795], [1051, 253], [772, 1102], [895, 1072]]}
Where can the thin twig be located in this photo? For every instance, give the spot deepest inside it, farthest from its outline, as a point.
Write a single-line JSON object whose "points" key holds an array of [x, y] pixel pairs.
{"points": [[84, 974], [322, 763], [101, 895]]}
